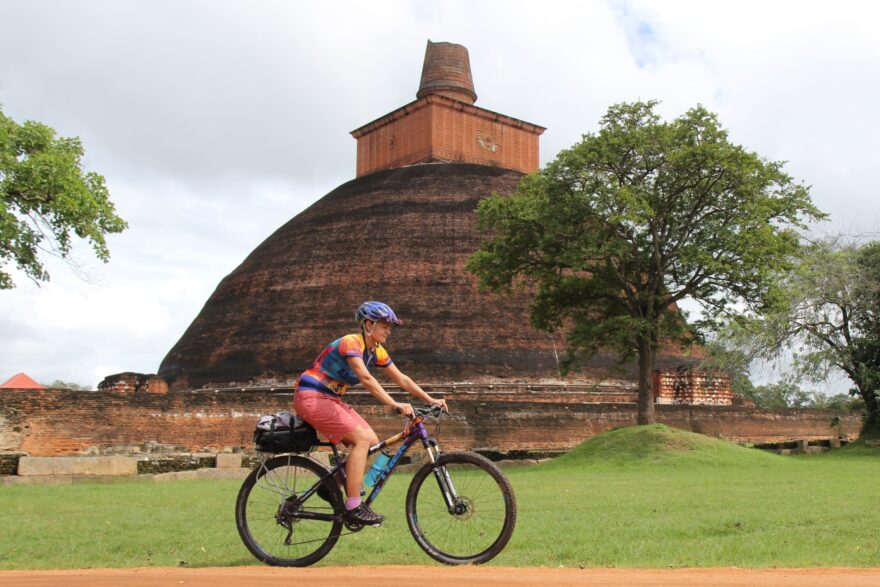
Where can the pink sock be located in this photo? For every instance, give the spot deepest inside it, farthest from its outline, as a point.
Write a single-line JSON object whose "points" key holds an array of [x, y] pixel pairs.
{"points": [[352, 502]]}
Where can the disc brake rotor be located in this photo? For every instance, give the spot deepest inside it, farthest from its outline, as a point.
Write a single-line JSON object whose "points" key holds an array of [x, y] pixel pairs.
{"points": [[463, 509]]}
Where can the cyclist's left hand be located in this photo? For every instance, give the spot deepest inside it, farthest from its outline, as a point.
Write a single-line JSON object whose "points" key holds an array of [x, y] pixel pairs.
{"points": [[442, 403], [404, 409]]}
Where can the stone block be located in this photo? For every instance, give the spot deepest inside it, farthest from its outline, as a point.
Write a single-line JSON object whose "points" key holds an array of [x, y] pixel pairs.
{"points": [[98, 466], [176, 476], [37, 480], [222, 473], [228, 461]]}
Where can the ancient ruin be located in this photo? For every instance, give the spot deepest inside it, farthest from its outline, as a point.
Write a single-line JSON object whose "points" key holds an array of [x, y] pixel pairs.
{"points": [[401, 232]]}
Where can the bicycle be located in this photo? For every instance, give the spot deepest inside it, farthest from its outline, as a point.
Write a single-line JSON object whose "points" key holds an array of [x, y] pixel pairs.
{"points": [[290, 509]]}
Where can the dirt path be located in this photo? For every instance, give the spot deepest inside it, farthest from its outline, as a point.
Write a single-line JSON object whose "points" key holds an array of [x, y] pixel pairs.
{"points": [[441, 577]]}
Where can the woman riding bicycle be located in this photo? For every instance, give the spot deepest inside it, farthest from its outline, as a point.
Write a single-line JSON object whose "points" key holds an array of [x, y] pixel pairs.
{"points": [[345, 362]]}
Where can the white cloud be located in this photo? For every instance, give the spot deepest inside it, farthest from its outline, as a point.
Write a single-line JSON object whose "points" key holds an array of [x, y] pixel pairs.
{"points": [[216, 121]]}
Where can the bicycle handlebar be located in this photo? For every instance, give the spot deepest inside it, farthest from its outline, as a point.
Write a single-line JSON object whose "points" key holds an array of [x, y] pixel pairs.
{"points": [[432, 410]]}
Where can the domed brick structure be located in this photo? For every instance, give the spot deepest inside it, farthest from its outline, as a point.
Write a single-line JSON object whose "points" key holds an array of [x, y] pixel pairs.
{"points": [[401, 232]]}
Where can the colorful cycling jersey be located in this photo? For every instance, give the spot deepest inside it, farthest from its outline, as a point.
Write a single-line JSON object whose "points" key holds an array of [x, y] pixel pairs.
{"points": [[330, 373]]}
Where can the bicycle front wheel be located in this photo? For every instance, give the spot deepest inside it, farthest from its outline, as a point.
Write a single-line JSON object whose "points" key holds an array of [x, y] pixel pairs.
{"points": [[273, 519], [479, 519]]}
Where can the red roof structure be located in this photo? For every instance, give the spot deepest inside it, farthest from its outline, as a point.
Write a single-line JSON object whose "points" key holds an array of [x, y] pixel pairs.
{"points": [[21, 381]]}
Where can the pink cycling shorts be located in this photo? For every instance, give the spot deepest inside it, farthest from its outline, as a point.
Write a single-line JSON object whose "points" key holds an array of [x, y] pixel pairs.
{"points": [[329, 415]]}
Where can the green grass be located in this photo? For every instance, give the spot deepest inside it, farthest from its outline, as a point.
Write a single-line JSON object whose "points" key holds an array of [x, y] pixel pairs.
{"points": [[658, 446], [635, 497], [658, 497]]}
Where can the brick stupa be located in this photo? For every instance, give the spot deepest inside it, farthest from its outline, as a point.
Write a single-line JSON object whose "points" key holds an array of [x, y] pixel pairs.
{"points": [[400, 232]]}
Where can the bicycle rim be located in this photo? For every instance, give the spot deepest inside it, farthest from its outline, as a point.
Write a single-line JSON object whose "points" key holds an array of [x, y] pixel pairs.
{"points": [[266, 507], [483, 520]]}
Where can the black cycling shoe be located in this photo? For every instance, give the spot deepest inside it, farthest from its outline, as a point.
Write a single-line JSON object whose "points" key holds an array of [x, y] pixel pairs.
{"points": [[364, 515]]}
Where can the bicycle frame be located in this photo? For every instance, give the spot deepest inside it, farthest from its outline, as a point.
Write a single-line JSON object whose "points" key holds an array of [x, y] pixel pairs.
{"points": [[415, 430], [289, 511]]}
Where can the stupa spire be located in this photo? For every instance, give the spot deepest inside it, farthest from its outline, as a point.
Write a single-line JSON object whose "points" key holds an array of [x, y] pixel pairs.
{"points": [[447, 72], [444, 125]]}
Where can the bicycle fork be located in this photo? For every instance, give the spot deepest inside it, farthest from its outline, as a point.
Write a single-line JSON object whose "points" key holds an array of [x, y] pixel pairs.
{"points": [[444, 481]]}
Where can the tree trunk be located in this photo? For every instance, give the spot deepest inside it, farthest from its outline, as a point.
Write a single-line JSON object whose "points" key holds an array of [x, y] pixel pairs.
{"points": [[647, 354]]}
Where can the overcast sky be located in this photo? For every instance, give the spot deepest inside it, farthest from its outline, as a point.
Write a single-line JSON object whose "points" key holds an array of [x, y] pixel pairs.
{"points": [[215, 122]]}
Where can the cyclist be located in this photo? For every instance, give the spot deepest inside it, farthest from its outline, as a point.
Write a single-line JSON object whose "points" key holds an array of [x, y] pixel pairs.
{"points": [[345, 362]]}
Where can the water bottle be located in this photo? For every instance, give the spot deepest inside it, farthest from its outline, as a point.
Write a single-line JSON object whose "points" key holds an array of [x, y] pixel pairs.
{"points": [[378, 467]]}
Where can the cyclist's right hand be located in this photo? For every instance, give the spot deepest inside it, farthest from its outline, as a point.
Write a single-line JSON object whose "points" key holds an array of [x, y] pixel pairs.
{"points": [[404, 409]]}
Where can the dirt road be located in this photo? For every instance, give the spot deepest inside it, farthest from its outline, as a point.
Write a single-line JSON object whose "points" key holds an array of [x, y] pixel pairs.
{"points": [[441, 577]]}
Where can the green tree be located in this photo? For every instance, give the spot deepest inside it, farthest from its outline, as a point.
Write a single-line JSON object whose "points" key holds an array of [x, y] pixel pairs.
{"points": [[46, 198], [782, 394], [60, 384], [842, 401], [632, 220], [825, 311]]}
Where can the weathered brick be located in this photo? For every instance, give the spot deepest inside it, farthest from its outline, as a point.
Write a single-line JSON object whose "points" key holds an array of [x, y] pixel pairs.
{"points": [[500, 418], [439, 129]]}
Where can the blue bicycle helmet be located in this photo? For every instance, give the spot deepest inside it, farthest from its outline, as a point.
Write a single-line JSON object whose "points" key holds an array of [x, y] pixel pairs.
{"points": [[378, 312]]}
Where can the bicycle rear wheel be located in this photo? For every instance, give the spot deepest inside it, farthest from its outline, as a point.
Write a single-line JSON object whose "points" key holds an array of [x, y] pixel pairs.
{"points": [[267, 507], [482, 517]]}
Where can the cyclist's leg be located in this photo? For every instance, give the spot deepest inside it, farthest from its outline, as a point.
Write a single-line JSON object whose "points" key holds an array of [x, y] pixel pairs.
{"points": [[330, 416], [340, 423], [359, 441]]}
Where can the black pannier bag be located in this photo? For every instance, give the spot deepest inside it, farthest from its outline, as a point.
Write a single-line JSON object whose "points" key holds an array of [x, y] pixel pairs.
{"points": [[284, 432]]}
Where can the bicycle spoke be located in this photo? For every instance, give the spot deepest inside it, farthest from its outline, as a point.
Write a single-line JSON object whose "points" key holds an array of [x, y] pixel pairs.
{"points": [[481, 520], [268, 507]]}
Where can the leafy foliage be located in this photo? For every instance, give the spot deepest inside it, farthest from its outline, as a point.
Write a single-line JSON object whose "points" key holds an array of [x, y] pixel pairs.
{"points": [[632, 220], [46, 198], [60, 384], [840, 401], [736, 361], [783, 394], [825, 310]]}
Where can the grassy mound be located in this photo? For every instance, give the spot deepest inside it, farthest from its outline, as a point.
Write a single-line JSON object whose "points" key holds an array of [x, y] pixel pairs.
{"points": [[656, 444]]}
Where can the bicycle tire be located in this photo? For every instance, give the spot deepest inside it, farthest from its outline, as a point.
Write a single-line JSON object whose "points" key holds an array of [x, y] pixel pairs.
{"points": [[260, 512], [485, 522]]}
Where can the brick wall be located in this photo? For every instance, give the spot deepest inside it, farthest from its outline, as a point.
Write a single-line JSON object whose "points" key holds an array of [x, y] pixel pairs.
{"points": [[172, 463], [437, 128], [692, 386], [43, 423], [402, 140], [133, 382]]}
